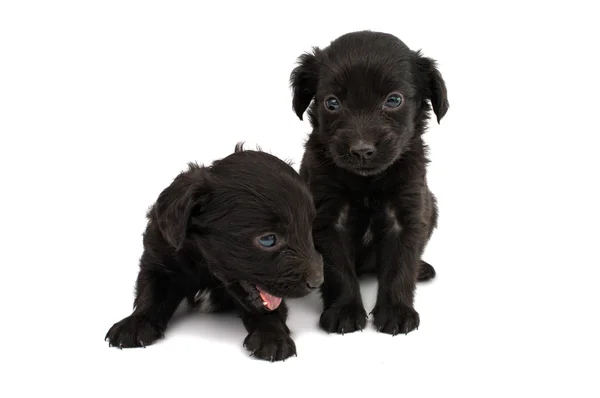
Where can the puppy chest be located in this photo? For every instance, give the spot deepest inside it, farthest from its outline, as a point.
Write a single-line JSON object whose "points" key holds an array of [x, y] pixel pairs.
{"points": [[365, 220]]}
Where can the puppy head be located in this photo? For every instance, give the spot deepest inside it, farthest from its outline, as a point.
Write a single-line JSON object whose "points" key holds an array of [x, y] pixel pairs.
{"points": [[369, 96], [249, 215]]}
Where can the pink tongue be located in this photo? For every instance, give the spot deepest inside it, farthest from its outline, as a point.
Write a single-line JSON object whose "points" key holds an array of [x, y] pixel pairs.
{"points": [[272, 302]]}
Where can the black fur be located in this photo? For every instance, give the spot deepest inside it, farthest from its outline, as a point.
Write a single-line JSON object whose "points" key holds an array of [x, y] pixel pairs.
{"points": [[375, 213], [202, 237]]}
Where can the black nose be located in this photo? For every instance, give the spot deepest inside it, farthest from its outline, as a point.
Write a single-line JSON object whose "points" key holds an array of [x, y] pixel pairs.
{"points": [[315, 280], [313, 284], [362, 150]]}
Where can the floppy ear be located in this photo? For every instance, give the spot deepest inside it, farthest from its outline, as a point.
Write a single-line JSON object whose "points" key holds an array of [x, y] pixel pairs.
{"points": [[434, 85], [303, 80], [175, 203]]}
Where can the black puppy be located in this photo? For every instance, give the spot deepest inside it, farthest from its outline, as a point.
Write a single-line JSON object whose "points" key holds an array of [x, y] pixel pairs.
{"points": [[233, 235], [365, 163]]}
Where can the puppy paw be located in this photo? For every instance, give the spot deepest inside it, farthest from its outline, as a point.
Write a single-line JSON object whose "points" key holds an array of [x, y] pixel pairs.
{"points": [[344, 319], [133, 331], [395, 319], [270, 344], [426, 271]]}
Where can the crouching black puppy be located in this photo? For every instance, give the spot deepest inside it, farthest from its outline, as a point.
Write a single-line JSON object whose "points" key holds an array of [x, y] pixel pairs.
{"points": [[365, 163], [234, 235]]}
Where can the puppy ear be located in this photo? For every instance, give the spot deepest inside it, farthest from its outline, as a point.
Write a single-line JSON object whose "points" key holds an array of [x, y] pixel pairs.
{"points": [[434, 85], [303, 80], [175, 203]]}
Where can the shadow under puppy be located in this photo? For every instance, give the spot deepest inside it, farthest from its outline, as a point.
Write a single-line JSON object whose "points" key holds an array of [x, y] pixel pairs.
{"points": [[235, 235], [365, 162]]}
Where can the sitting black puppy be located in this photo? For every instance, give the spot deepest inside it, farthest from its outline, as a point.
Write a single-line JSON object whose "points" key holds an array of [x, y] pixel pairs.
{"points": [[365, 163], [233, 235]]}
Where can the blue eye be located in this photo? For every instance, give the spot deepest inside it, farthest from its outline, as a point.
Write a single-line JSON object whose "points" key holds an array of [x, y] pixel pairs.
{"points": [[393, 101], [332, 103], [268, 240]]}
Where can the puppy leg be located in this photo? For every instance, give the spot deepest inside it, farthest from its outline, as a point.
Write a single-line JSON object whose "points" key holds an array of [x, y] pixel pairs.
{"points": [[343, 307], [426, 270], [268, 335], [398, 263], [157, 298]]}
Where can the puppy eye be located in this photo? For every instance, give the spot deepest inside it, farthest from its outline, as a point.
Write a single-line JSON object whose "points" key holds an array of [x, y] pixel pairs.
{"points": [[268, 240], [332, 104], [393, 101]]}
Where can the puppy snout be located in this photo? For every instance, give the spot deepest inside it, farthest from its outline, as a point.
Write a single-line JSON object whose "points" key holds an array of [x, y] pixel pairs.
{"points": [[315, 281], [315, 278], [362, 150]]}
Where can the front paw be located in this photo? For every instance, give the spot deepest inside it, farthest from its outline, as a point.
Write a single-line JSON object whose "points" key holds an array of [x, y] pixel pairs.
{"points": [[342, 319], [271, 344], [133, 331], [394, 319]]}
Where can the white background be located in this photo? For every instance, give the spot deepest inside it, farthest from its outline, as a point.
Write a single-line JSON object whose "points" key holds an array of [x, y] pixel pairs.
{"points": [[103, 103]]}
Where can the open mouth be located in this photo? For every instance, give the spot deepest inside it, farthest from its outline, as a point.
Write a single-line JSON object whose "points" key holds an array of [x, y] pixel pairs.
{"points": [[268, 300], [259, 297]]}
